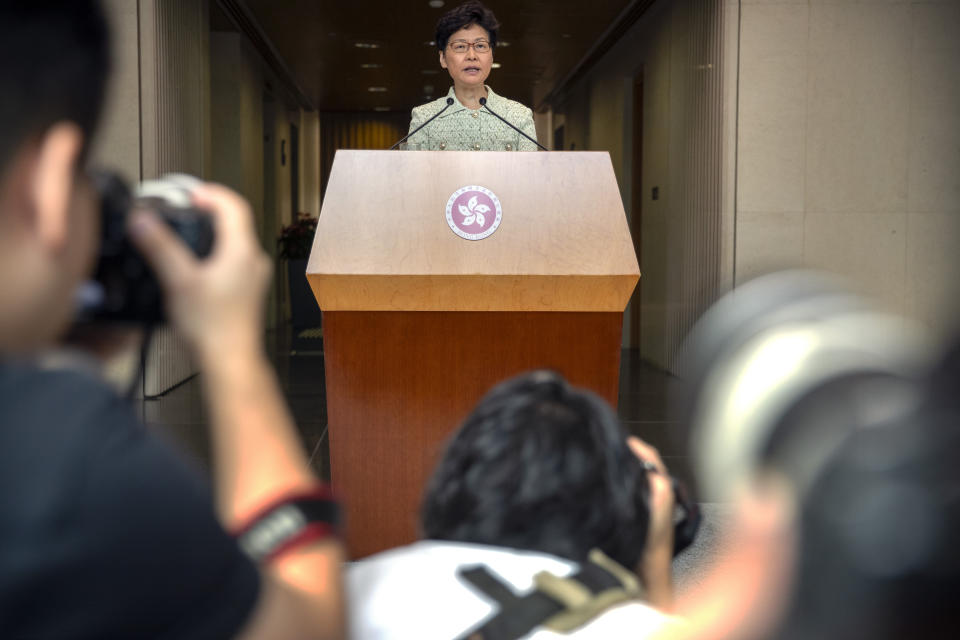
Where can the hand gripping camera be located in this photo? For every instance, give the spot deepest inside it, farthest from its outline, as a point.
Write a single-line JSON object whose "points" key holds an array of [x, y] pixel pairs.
{"points": [[124, 290]]}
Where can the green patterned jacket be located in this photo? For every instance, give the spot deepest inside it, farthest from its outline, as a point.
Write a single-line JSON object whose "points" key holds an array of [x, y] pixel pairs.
{"points": [[463, 129]]}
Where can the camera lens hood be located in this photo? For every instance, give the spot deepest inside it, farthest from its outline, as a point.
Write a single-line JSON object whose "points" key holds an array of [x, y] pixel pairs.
{"points": [[775, 345]]}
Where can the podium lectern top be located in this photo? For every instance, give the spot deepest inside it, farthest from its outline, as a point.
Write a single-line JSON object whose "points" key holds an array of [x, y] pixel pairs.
{"points": [[383, 241]]}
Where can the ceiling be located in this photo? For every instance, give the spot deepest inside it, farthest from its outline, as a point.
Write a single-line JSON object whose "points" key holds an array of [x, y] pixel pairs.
{"points": [[542, 41]]}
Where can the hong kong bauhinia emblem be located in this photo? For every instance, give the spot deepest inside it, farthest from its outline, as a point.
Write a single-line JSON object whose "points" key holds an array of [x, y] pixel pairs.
{"points": [[473, 212]]}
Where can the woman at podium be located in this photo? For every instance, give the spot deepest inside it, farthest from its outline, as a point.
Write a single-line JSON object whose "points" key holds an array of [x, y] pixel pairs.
{"points": [[466, 38]]}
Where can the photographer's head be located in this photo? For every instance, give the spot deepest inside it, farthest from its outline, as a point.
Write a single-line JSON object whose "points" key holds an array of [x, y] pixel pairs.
{"points": [[54, 63], [543, 466]]}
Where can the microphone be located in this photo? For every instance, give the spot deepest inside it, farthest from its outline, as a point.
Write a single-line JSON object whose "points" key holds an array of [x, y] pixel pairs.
{"points": [[483, 103], [429, 120]]}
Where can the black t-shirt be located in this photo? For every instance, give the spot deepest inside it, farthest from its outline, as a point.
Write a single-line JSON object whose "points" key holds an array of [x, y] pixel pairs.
{"points": [[104, 531]]}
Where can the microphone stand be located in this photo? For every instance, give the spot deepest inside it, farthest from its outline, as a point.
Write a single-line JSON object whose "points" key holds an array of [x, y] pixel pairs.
{"points": [[483, 103], [429, 120]]}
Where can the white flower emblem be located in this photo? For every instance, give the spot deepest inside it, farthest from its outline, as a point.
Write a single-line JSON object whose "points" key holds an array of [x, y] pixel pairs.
{"points": [[461, 218], [473, 212]]}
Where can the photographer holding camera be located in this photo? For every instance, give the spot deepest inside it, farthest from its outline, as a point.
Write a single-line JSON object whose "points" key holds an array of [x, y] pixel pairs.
{"points": [[541, 518], [104, 531]]}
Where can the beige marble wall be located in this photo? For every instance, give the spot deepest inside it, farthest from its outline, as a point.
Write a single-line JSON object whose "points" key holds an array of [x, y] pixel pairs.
{"points": [[310, 162], [117, 142], [848, 146], [685, 51]]}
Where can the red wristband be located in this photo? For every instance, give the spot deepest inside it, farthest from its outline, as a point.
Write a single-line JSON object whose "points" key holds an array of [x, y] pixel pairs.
{"points": [[292, 521]]}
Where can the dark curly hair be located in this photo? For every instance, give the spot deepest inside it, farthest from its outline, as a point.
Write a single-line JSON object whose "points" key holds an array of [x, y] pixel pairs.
{"points": [[461, 17], [543, 466]]}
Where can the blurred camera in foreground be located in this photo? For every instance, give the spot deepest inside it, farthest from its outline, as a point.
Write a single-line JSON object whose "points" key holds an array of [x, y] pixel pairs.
{"points": [[796, 376]]}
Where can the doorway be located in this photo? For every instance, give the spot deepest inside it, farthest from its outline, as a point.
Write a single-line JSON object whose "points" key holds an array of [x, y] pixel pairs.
{"points": [[636, 204], [294, 171], [269, 226]]}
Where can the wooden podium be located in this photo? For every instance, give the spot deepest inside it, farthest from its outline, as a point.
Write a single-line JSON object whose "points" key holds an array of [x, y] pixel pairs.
{"points": [[419, 322]]}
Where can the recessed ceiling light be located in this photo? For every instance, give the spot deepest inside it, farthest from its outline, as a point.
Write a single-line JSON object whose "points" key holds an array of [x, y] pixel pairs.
{"points": [[503, 43], [495, 65], [381, 108], [370, 65], [428, 88], [436, 4], [431, 43], [366, 45], [376, 89]]}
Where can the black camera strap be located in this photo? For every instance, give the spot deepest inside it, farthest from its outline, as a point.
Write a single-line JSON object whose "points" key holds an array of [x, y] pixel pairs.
{"points": [[560, 604]]}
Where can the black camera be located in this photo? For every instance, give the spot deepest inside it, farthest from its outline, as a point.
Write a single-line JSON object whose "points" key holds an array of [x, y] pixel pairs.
{"points": [[124, 289], [686, 517], [686, 513]]}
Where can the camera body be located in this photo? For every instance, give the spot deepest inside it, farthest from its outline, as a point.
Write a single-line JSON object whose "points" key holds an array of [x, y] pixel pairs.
{"points": [[124, 290], [686, 517]]}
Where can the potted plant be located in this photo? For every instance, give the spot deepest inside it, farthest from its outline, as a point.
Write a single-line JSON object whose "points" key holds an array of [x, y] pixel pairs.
{"points": [[294, 244]]}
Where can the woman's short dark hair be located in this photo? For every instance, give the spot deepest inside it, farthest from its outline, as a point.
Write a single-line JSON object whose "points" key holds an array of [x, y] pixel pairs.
{"points": [[542, 466], [461, 17]]}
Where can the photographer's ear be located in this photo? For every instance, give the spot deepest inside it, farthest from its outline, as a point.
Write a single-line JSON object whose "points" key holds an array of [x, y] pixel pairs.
{"points": [[53, 181]]}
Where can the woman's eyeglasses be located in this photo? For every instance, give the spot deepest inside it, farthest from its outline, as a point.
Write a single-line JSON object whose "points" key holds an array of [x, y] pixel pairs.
{"points": [[461, 46]]}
